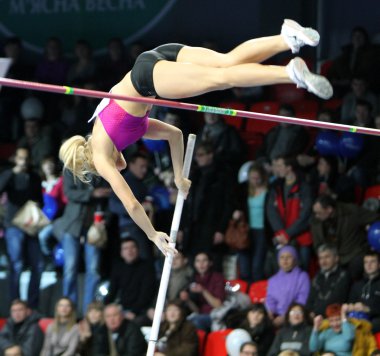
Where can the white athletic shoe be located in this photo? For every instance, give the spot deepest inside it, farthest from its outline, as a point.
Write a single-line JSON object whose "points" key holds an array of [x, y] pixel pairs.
{"points": [[300, 74], [297, 36]]}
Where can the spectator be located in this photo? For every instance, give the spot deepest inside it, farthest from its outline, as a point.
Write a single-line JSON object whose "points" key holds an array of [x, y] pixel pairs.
{"points": [[180, 277], [359, 91], [251, 202], [209, 206], [84, 67], [284, 139], [260, 327], [289, 209], [343, 225], [62, 335], [54, 202], [326, 180], [249, 348], [375, 353], [338, 336], [14, 350], [294, 335], [177, 336], [126, 282], [52, 68], [365, 293], [363, 116], [115, 65], [289, 285], [205, 293], [331, 283], [135, 174], [39, 143], [357, 58], [119, 336], [21, 185], [228, 147], [83, 199], [11, 98], [89, 328], [21, 330]]}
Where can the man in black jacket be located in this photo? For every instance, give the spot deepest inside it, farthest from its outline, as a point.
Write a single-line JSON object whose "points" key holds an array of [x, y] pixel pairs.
{"points": [[21, 185], [119, 336], [133, 282], [22, 329], [330, 285], [345, 226], [365, 293]]}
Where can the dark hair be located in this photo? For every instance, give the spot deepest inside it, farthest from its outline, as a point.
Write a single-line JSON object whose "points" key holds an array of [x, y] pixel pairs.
{"points": [[361, 30], [289, 108], [289, 161], [129, 239], [13, 41], [306, 316], [207, 146], [326, 201], [209, 256], [375, 352], [136, 155], [372, 253], [19, 301], [365, 103], [250, 343]]}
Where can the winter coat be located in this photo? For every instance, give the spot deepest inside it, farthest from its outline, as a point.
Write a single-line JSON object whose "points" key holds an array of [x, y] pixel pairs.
{"points": [[29, 335]]}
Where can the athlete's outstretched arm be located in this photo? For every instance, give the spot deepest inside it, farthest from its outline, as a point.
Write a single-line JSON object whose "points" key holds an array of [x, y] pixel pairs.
{"points": [[158, 130], [107, 169]]}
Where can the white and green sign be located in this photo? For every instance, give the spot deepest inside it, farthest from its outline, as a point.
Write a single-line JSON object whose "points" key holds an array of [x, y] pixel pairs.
{"points": [[34, 21]]}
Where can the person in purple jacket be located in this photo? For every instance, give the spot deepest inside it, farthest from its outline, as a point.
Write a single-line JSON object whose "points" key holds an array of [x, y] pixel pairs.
{"points": [[289, 285]]}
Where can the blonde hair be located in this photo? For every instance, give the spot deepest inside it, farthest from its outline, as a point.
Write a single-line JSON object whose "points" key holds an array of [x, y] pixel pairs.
{"points": [[72, 319], [76, 155]]}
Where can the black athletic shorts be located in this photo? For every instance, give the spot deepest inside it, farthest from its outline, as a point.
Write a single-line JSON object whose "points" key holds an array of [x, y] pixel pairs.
{"points": [[142, 71]]}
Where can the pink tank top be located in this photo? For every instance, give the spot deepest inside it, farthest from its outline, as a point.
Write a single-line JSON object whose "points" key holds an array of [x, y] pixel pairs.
{"points": [[122, 128]]}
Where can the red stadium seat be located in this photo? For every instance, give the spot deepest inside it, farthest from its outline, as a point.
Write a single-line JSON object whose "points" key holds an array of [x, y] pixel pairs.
{"points": [[262, 126], [44, 323], [235, 121], [332, 104], [325, 67], [2, 322], [243, 285], [216, 343], [372, 192], [287, 93], [7, 150], [377, 337], [258, 291], [202, 335], [307, 109]]}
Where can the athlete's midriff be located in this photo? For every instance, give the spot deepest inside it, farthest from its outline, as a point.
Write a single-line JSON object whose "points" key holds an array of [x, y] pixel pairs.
{"points": [[123, 129]]}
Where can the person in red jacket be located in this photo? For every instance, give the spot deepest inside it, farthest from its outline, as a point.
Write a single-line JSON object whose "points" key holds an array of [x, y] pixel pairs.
{"points": [[289, 209]]}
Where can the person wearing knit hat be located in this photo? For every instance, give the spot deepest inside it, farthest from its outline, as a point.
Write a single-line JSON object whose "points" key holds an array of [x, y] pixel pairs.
{"points": [[289, 285]]}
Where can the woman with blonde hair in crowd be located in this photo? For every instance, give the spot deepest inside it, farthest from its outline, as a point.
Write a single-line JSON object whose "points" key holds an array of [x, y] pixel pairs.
{"points": [[251, 201], [89, 327], [175, 71], [62, 336]]}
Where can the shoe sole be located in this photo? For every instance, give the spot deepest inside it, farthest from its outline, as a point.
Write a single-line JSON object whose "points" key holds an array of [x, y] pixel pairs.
{"points": [[308, 35], [316, 84]]}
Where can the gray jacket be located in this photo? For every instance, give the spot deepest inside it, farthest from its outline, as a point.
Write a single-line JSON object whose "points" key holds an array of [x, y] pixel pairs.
{"points": [[78, 210]]}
